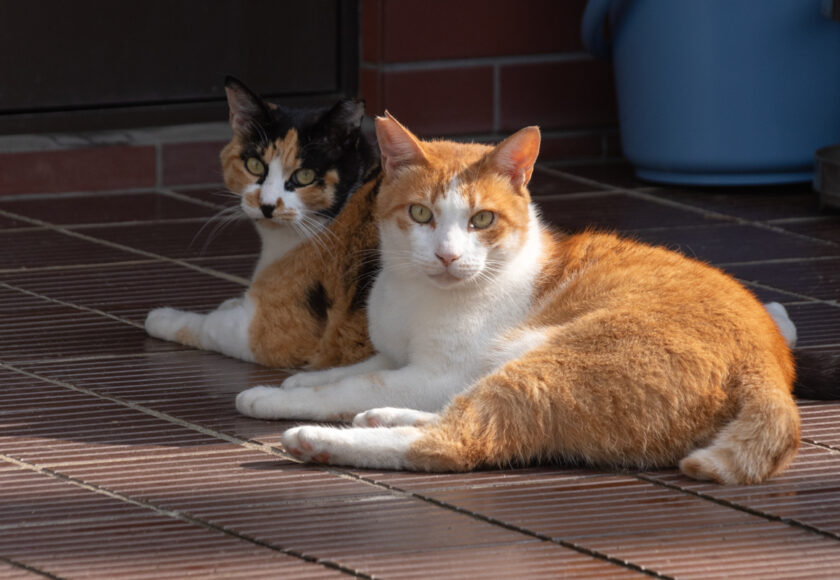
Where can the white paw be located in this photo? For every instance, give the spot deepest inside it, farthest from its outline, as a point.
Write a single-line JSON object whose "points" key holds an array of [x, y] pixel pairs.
{"points": [[308, 443], [231, 303], [163, 323], [302, 380], [393, 417], [261, 402]]}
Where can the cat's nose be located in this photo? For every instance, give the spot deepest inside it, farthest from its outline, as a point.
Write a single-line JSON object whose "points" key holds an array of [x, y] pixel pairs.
{"points": [[267, 210], [447, 257]]}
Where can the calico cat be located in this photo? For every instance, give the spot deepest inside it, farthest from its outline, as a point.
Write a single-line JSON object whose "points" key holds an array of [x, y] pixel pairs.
{"points": [[500, 341], [308, 179]]}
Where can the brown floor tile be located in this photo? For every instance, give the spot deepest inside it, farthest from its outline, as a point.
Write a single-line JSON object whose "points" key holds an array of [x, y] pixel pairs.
{"points": [[722, 244], [218, 195], [658, 528], [185, 163], [761, 203], [184, 240], [806, 492], [11, 572], [615, 174], [97, 209], [826, 228], [42, 330], [192, 385], [70, 532], [130, 291], [545, 181], [818, 279], [242, 266], [615, 212], [43, 248], [819, 423], [816, 324]]}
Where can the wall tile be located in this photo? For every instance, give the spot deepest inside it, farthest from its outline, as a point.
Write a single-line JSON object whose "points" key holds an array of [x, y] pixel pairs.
{"points": [[441, 29], [441, 102], [88, 169], [570, 94]]}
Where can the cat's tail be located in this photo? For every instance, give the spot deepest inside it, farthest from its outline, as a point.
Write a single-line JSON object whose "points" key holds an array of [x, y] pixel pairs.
{"points": [[758, 443], [817, 375]]}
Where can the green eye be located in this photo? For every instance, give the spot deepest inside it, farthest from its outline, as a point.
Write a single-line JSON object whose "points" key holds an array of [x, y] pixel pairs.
{"points": [[303, 176], [255, 165], [483, 219], [420, 213]]}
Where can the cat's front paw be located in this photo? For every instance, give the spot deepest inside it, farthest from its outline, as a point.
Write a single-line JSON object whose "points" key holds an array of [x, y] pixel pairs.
{"points": [[261, 402], [393, 417], [163, 323], [303, 380], [308, 443]]}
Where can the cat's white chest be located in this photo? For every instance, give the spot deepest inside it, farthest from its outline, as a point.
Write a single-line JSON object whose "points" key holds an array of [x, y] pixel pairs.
{"points": [[277, 241], [420, 324]]}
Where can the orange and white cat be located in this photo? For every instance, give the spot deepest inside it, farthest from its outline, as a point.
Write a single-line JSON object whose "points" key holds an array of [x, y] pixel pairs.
{"points": [[499, 341]]}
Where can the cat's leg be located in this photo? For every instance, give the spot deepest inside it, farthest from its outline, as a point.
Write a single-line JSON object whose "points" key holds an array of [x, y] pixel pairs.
{"points": [[780, 316], [378, 362], [394, 417], [224, 330], [410, 386], [381, 448]]}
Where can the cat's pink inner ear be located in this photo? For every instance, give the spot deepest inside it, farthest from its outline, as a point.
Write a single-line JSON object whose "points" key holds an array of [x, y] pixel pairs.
{"points": [[515, 156], [399, 147], [242, 110]]}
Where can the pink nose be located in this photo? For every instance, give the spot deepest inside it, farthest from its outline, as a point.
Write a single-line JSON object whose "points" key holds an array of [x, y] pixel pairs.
{"points": [[446, 258]]}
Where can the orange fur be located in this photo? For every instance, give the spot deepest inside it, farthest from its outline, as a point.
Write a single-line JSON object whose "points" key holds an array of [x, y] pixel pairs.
{"points": [[284, 332], [647, 358]]}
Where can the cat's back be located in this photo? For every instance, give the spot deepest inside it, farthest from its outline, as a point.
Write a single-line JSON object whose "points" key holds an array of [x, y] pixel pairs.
{"points": [[636, 291]]}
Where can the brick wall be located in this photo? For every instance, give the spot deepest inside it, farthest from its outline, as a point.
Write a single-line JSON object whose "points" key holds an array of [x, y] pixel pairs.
{"points": [[484, 68]]}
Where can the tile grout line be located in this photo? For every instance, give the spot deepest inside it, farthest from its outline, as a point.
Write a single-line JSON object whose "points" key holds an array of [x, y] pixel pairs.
{"points": [[179, 515], [71, 305], [687, 207], [274, 451], [129, 249], [28, 568]]}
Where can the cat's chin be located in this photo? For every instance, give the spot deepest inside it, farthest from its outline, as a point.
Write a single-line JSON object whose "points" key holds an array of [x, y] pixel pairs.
{"points": [[445, 280]]}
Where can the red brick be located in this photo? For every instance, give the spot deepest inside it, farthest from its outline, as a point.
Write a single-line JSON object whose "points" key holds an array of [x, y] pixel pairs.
{"points": [[443, 101], [88, 169], [192, 163], [563, 147], [564, 95], [442, 29], [371, 30], [370, 89]]}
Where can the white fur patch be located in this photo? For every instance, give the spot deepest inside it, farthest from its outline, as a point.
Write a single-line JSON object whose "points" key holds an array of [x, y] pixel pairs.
{"points": [[367, 448], [783, 321]]}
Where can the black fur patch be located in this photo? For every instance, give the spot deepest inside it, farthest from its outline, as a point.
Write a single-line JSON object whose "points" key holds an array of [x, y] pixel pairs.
{"points": [[817, 375], [318, 301], [329, 138], [365, 278]]}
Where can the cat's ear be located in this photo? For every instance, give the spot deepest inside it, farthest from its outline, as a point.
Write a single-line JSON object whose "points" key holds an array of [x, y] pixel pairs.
{"points": [[343, 120], [398, 145], [246, 108], [515, 156]]}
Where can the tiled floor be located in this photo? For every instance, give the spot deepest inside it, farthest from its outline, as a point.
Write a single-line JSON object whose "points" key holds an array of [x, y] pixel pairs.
{"points": [[123, 457]]}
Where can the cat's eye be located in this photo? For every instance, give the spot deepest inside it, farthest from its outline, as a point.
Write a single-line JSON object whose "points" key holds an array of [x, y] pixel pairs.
{"points": [[303, 176], [483, 219], [420, 213], [255, 165]]}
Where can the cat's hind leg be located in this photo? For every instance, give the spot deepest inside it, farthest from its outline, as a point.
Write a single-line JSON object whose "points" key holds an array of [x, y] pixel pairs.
{"points": [[224, 330]]}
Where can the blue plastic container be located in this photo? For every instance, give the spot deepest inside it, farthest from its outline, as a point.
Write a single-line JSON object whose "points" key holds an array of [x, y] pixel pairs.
{"points": [[721, 92]]}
